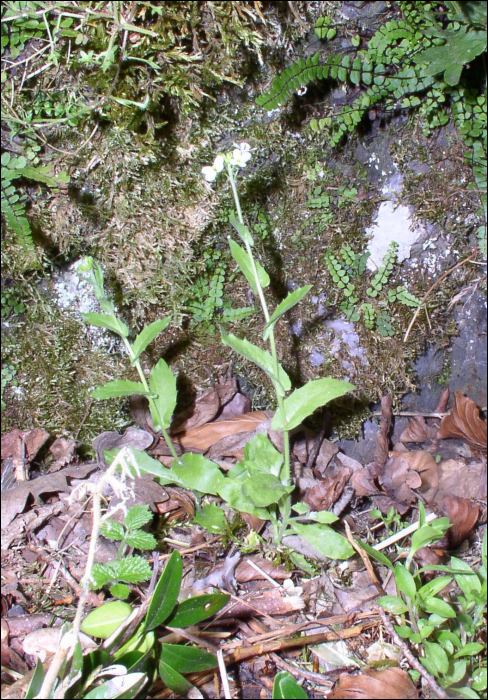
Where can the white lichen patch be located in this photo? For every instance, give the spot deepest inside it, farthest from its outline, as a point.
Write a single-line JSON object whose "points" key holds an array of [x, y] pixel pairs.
{"points": [[345, 334], [76, 296]]}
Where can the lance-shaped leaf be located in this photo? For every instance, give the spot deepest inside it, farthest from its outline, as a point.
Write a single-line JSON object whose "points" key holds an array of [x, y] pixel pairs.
{"points": [[147, 335], [303, 402], [242, 230], [194, 610], [174, 680], [285, 306], [242, 259], [187, 659], [165, 594], [118, 388], [163, 383], [109, 322], [261, 358]]}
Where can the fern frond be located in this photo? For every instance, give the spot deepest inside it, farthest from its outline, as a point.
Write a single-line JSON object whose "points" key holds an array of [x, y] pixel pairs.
{"points": [[13, 209]]}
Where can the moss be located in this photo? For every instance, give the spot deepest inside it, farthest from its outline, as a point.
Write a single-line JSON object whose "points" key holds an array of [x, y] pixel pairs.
{"points": [[58, 372], [137, 202]]}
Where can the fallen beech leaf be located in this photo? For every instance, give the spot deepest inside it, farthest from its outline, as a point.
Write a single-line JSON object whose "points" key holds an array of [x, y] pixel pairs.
{"points": [[465, 422], [325, 454], [205, 436], [206, 407], [463, 516], [245, 572], [456, 478], [390, 684], [428, 556], [405, 471], [324, 494], [13, 501], [13, 443], [271, 602], [442, 403], [382, 438], [144, 491], [112, 440], [418, 430], [362, 483], [238, 405], [62, 450]]}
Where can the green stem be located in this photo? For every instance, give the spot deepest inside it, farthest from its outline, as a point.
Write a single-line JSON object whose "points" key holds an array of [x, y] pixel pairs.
{"points": [[153, 406], [286, 509]]}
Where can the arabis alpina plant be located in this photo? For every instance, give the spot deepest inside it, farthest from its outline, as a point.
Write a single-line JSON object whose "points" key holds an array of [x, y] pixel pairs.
{"points": [[260, 484], [264, 474]]}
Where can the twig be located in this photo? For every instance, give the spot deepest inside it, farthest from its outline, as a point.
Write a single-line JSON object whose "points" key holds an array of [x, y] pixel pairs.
{"points": [[430, 680], [431, 289], [365, 558], [243, 653], [316, 678], [414, 414]]}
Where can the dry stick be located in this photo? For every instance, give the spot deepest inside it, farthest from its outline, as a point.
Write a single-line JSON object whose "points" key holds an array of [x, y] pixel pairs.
{"points": [[431, 289], [430, 680], [243, 653], [365, 558], [316, 678]]}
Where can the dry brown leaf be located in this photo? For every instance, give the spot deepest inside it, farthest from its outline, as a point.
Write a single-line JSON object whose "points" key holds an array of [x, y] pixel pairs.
{"points": [[465, 422], [382, 438], [245, 572], [362, 483], [112, 440], [327, 451], [63, 450], [390, 684], [271, 602], [13, 443], [14, 500], [324, 494], [456, 478], [205, 408], [205, 436], [442, 403], [418, 430], [405, 471], [238, 405], [144, 491], [463, 516]]}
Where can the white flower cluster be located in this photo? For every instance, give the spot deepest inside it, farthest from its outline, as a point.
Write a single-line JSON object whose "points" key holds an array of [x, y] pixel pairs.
{"points": [[239, 156]]}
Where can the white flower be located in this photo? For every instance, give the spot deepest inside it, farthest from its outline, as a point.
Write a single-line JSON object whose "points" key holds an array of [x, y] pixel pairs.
{"points": [[210, 172], [241, 154]]}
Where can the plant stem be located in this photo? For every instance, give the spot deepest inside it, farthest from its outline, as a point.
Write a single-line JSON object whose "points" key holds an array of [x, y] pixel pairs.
{"points": [[286, 501], [154, 408]]}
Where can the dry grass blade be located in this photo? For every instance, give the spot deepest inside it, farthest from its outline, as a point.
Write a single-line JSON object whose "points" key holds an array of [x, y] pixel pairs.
{"points": [[465, 422]]}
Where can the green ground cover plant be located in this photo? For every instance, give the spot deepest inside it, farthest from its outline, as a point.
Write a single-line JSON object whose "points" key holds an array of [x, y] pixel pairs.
{"points": [[447, 633], [351, 267]]}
